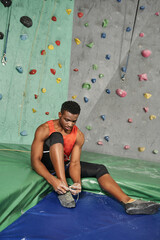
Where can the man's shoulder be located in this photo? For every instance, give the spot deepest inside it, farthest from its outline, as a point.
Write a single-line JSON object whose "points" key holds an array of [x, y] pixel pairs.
{"points": [[42, 131], [80, 136]]}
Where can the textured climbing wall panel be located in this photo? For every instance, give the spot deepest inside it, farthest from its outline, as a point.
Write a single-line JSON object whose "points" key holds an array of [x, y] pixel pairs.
{"points": [[20, 111], [121, 126]]}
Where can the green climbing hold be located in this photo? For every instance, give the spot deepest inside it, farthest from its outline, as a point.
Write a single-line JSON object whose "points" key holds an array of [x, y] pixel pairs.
{"points": [[90, 45], [155, 151], [101, 75], [105, 23], [89, 128], [86, 24], [86, 85], [94, 66]]}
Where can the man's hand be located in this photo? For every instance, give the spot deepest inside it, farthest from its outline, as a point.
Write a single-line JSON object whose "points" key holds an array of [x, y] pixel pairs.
{"points": [[59, 186], [75, 188]]}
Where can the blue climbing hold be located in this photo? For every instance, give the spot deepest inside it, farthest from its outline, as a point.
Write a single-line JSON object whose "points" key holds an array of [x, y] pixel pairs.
{"points": [[123, 69], [23, 36], [103, 117], [86, 99], [108, 91], [128, 29], [1, 96], [103, 35], [108, 56], [106, 138], [24, 133], [142, 7], [118, 0], [93, 80], [19, 69]]}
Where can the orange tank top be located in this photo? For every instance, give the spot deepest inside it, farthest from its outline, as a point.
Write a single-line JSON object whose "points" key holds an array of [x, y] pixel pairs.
{"points": [[69, 140]]}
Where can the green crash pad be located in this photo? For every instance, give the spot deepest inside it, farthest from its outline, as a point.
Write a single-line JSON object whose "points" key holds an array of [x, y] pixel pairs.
{"points": [[22, 188]]}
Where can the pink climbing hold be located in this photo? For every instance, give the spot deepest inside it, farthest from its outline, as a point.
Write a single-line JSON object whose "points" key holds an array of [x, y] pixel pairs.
{"points": [[100, 143], [146, 109], [130, 120], [121, 92], [126, 147], [53, 71], [157, 13], [141, 34], [143, 76], [146, 53]]}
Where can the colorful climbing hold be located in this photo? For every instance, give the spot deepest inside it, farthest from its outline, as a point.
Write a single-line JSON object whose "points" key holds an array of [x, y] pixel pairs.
{"points": [[34, 110], [6, 3], [90, 45], [103, 35], [108, 56], [142, 7], [43, 90], [60, 65], [74, 97], [23, 37], [101, 75], [103, 117], [68, 11], [19, 69], [33, 71], [80, 14], [77, 41], [93, 80], [141, 149], [146, 109], [128, 29], [121, 92], [147, 95], [23, 133], [105, 23], [53, 71], [86, 99], [88, 127], [1, 96], [86, 85], [155, 151], [118, 0], [141, 34], [143, 76], [47, 113], [100, 143], [108, 91], [58, 80], [35, 96], [95, 66], [126, 147], [43, 52], [57, 42], [86, 24], [26, 21], [157, 13], [54, 19], [75, 69], [106, 138], [130, 120], [50, 47], [146, 53], [152, 117], [1, 35]]}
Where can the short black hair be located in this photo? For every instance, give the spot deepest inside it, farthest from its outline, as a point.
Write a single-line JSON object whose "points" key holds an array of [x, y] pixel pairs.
{"points": [[71, 106]]}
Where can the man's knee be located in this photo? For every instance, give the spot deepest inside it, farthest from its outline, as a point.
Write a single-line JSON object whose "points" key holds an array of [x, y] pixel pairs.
{"points": [[101, 170], [55, 137]]}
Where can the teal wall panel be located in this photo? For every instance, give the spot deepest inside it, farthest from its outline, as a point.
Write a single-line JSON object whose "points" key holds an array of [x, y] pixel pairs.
{"points": [[18, 89]]}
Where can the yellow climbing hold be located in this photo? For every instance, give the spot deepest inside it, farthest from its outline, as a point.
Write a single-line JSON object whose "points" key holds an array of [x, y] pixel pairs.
{"points": [[152, 117], [58, 80], [43, 90], [60, 65], [69, 11], [74, 97], [141, 149], [147, 95], [77, 41], [50, 47], [34, 110]]}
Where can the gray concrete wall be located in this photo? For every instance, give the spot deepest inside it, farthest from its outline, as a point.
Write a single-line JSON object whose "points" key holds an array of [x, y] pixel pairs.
{"points": [[142, 132]]}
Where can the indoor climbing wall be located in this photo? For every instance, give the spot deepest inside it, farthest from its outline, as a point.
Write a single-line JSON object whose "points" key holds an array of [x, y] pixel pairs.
{"points": [[114, 75], [35, 46]]}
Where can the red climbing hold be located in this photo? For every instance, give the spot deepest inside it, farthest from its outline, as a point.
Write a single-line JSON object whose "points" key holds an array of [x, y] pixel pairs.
{"points": [[36, 96], [80, 14], [43, 52], [75, 69], [54, 19], [53, 71], [58, 43], [47, 113], [33, 71]]}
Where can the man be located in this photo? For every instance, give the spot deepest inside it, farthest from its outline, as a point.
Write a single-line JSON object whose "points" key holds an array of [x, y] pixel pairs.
{"points": [[52, 146]]}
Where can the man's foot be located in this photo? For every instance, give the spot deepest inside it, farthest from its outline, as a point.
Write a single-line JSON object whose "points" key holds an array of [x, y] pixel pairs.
{"points": [[67, 200], [141, 207]]}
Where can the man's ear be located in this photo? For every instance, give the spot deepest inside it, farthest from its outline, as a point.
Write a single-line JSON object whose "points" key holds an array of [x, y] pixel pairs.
{"points": [[59, 114]]}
